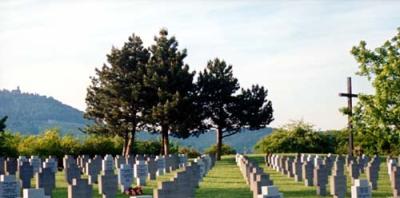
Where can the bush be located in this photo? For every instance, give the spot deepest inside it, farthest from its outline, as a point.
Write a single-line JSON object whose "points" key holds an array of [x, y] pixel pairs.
{"points": [[52, 143], [190, 152], [300, 137], [225, 150]]}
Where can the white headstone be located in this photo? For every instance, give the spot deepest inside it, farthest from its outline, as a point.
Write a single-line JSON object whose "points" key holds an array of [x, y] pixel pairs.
{"points": [[125, 177], [107, 163], [141, 171], [160, 160], [35, 163], [34, 193], [9, 186], [361, 189]]}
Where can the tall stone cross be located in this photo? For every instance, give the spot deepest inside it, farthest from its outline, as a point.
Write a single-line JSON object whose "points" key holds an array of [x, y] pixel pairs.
{"points": [[349, 95]]}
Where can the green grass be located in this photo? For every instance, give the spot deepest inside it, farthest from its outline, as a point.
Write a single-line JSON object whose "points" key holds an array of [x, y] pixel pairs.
{"points": [[224, 180], [290, 188], [61, 190]]}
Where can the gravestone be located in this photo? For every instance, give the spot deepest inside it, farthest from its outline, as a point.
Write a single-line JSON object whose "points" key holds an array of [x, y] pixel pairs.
{"points": [[36, 163], [130, 160], [107, 164], [270, 192], [152, 166], [260, 180], [118, 161], [83, 159], [361, 189], [182, 160], [51, 163], [9, 186], [26, 174], [45, 179], [297, 170], [161, 165], [391, 163], [79, 188], [395, 182], [125, 177], [338, 180], [34, 193], [108, 181], [67, 160], [308, 173], [164, 189], [21, 159], [354, 172], [93, 169], [11, 166], [72, 171], [372, 173], [289, 167], [141, 172], [320, 179], [200, 162]]}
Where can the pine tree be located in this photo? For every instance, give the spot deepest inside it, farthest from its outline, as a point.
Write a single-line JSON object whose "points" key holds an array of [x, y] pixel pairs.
{"points": [[226, 112], [116, 99], [172, 91]]}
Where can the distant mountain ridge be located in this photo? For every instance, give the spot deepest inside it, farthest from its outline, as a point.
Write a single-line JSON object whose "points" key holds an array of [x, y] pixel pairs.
{"points": [[32, 113]]}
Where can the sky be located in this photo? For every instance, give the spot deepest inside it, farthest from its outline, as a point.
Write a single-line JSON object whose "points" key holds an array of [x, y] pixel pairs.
{"points": [[298, 50]]}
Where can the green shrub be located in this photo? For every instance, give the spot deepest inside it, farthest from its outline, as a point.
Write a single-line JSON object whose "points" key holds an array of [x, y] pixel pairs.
{"points": [[301, 137], [225, 150], [190, 152]]}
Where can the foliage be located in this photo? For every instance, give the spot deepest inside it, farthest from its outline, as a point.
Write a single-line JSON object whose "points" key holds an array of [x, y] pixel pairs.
{"points": [[190, 152], [377, 116], [50, 142], [225, 150], [172, 90], [116, 99], [300, 137], [225, 111]]}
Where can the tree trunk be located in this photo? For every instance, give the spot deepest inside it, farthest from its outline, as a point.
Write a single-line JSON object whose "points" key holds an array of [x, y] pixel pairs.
{"points": [[164, 131], [126, 139], [219, 143], [131, 141]]}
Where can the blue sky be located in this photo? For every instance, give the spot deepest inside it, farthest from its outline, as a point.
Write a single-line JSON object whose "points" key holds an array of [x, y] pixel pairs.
{"points": [[299, 50]]}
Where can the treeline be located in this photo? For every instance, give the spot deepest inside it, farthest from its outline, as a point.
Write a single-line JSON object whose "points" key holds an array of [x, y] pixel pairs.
{"points": [[51, 142], [153, 89], [301, 137]]}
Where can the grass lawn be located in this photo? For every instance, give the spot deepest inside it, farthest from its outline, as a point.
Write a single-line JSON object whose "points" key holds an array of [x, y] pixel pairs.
{"points": [[61, 190], [290, 188], [224, 180]]}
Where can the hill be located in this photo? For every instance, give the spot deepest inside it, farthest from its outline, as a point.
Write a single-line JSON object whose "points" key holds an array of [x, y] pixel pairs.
{"points": [[32, 113]]}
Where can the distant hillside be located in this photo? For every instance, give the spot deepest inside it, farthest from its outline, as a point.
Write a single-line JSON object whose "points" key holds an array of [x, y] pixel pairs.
{"points": [[31, 113]]}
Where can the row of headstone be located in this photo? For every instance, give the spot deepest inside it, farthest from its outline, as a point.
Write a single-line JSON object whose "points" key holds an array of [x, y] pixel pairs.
{"points": [[394, 176], [259, 182], [319, 170], [185, 182]]}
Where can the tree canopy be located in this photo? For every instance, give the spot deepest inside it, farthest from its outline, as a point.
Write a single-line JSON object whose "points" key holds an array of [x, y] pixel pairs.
{"points": [[377, 116], [117, 98], [226, 111], [173, 109]]}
